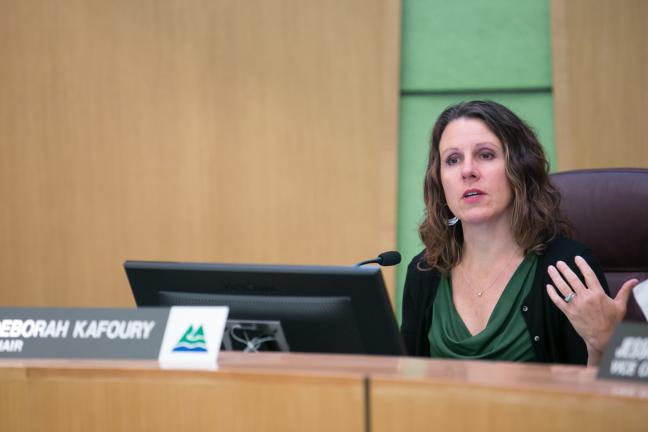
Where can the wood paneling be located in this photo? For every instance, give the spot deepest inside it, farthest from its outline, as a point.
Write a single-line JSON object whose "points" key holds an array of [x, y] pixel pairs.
{"points": [[422, 395], [419, 406], [221, 131], [600, 66], [129, 400]]}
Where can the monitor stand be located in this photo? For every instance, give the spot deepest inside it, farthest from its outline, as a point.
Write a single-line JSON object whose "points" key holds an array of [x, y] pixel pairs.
{"points": [[254, 336]]}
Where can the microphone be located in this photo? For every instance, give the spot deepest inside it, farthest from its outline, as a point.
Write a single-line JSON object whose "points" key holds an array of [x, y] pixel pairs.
{"points": [[384, 259]]}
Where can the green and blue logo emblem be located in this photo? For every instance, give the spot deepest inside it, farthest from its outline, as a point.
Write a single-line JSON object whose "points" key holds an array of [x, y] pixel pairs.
{"points": [[193, 340]]}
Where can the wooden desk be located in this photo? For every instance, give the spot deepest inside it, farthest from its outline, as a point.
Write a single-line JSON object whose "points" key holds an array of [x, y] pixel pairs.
{"points": [[290, 392], [96, 396], [484, 396]]}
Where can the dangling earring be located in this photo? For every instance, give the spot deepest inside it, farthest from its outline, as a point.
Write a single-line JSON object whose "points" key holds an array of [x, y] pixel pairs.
{"points": [[453, 220]]}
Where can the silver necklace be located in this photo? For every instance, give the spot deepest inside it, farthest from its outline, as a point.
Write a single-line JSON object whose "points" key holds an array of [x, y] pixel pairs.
{"points": [[480, 293]]}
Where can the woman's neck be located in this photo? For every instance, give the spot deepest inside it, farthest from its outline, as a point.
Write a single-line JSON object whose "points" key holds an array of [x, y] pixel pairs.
{"points": [[487, 245]]}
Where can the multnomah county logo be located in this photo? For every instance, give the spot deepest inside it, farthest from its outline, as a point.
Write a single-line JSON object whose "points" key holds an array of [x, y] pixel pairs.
{"points": [[192, 341]]}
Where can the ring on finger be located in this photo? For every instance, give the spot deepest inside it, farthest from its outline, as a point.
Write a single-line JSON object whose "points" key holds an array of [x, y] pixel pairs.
{"points": [[569, 297]]}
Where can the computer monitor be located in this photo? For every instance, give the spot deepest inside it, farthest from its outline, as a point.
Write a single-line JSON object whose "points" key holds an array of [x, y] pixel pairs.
{"points": [[319, 309]]}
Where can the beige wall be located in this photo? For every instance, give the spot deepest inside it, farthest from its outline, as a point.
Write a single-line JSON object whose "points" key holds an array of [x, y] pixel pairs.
{"points": [[224, 131], [600, 64]]}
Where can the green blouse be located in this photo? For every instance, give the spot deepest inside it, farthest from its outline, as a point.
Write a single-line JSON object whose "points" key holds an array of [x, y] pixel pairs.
{"points": [[505, 337]]}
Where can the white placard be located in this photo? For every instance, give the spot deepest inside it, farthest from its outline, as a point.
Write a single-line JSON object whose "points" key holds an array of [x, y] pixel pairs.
{"points": [[193, 337], [640, 292]]}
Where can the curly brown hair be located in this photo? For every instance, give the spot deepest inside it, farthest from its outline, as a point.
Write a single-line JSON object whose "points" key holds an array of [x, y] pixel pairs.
{"points": [[536, 216]]}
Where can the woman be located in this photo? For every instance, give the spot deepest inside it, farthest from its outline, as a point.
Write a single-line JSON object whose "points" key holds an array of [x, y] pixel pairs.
{"points": [[498, 278]]}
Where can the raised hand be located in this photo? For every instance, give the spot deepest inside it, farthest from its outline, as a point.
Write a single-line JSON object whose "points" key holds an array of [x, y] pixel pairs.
{"points": [[590, 310]]}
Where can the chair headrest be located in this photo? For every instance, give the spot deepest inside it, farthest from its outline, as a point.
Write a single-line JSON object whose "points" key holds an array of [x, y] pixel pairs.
{"points": [[609, 211]]}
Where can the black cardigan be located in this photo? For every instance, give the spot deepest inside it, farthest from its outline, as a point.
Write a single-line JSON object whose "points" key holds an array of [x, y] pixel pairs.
{"points": [[553, 337]]}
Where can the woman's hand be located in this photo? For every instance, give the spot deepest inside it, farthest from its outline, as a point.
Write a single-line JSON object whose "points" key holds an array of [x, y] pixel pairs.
{"points": [[593, 314]]}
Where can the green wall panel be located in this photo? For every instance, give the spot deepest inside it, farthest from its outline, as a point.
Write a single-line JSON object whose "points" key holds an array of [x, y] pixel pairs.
{"points": [[475, 44], [417, 116]]}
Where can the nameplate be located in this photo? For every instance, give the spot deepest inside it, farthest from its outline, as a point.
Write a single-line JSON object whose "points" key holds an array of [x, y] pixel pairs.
{"points": [[177, 337], [640, 292], [626, 356]]}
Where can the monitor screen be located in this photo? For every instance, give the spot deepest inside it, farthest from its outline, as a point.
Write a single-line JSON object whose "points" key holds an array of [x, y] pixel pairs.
{"points": [[317, 308]]}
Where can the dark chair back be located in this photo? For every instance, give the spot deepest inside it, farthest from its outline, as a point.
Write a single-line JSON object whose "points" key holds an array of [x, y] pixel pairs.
{"points": [[609, 212]]}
